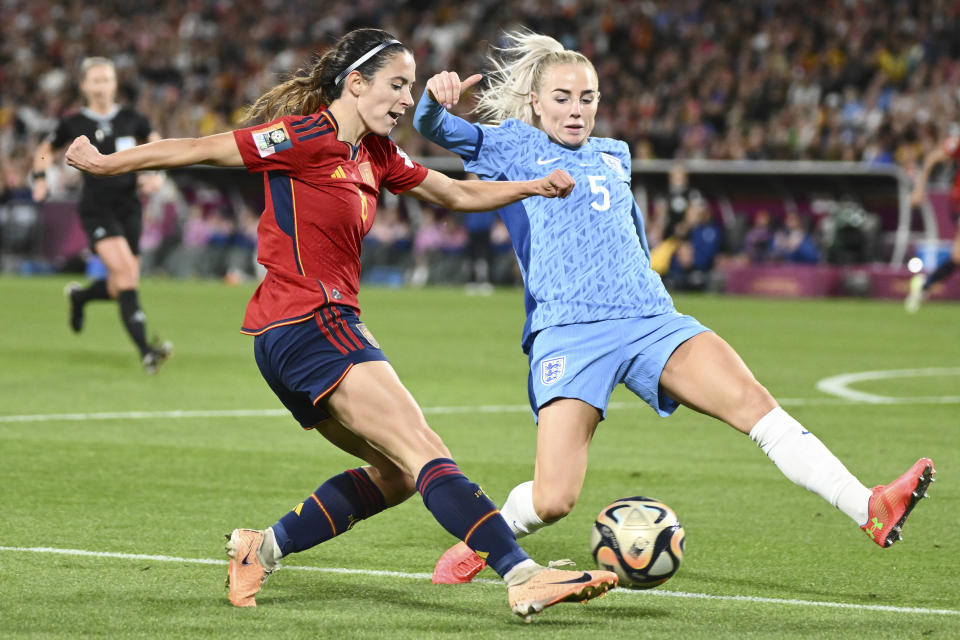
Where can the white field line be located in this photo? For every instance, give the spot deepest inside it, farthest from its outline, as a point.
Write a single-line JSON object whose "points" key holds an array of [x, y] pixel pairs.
{"points": [[838, 385], [427, 576], [501, 408]]}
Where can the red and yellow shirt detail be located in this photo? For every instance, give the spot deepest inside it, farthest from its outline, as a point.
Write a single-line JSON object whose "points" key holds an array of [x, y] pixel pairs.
{"points": [[320, 200]]}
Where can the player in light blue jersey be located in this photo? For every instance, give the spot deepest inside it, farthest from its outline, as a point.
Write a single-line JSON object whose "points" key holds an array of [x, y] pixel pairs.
{"points": [[597, 314]]}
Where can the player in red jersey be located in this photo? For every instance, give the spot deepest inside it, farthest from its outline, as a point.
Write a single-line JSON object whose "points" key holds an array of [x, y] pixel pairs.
{"points": [[324, 155], [920, 284]]}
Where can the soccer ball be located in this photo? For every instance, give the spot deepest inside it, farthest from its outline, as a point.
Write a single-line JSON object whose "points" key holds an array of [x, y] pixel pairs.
{"points": [[640, 539]]}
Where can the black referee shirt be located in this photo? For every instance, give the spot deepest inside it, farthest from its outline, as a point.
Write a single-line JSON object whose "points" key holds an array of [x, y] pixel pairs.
{"points": [[120, 129]]}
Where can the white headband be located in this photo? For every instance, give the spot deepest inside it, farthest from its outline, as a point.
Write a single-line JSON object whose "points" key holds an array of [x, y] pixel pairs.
{"points": [[363, 58]]}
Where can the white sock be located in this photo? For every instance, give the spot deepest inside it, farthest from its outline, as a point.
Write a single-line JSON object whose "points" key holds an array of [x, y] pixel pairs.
{"points": [[269, 552], [519, 513], [807, 462], [521, 572]]}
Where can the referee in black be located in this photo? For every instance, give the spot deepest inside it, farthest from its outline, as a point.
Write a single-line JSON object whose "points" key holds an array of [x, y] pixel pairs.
{"points": [[109, 207]]}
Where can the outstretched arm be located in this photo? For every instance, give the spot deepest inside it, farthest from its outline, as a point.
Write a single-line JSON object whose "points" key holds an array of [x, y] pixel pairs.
{"points": [[219, 149], [481, 195], [935, 157], [42, 158], [433, 121]]}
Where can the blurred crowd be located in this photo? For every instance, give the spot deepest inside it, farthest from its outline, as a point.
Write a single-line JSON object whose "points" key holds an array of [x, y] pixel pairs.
{"points": [[873, 81]]}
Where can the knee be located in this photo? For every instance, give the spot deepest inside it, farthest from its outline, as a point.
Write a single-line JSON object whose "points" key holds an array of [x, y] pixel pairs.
{"points": [[124, 279], [414, 443], [755, 402], [553, 505]]}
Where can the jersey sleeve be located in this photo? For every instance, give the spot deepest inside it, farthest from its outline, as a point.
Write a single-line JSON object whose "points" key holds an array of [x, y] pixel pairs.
{"points": [[439, 126], [142, 129], [496, 149], [61, 135], [270, 147], [398, 172], [951, 147]]}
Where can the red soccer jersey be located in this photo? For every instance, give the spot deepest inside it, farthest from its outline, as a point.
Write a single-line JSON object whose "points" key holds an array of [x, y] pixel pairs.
{"points": [[320, 200]]}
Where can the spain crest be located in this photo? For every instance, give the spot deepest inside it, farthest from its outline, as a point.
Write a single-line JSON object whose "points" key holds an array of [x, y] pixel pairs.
{"points": [[362, 328]]}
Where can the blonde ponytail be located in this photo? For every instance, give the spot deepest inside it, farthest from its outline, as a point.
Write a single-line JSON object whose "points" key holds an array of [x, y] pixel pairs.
{"points": [[518, 71]]}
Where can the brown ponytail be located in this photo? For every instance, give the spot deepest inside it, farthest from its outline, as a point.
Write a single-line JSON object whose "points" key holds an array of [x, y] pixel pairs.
{"points": [[307, 91]]}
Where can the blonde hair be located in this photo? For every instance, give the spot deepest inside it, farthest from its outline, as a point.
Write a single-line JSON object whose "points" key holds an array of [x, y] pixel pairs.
{"points": [[517, 72], [95, 61]]}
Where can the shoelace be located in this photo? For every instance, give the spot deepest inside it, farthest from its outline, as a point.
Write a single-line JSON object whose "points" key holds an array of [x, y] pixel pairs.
{"points": [[563, 562]]}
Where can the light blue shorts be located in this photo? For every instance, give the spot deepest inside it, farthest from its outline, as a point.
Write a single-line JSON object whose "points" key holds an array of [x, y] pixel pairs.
{"points": [[586, 361]]}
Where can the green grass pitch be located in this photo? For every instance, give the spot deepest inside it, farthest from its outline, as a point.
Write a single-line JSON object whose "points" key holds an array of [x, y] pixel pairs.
{"points": [[95, 459]]}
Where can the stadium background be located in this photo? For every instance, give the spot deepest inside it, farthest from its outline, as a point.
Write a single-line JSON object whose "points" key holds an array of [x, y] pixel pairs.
{"points": [[772, 84], [117, 487]]}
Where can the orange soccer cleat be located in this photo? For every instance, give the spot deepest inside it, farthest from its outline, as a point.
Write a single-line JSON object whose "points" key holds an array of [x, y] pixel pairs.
{"points": [[890, 504], [245, 573], [551, 586], [457, 565]]}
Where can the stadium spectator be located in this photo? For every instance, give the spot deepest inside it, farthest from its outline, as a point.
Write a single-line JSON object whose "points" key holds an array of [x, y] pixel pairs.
{"points": [[756, 241], [597, 314], [794, 242], [699, 240], [817, 80], [324, 155], [767, 80], [109, 209]]}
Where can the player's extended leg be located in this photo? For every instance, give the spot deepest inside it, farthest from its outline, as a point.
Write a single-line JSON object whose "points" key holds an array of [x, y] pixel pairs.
{"points": [[706, 374], [123, 280], [949, 265], [565, 428], [335, 507], [373, 403], [920, 285]]}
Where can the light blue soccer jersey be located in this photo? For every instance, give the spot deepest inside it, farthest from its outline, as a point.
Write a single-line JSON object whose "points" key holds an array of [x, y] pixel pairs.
{"points": [[584, 258]]}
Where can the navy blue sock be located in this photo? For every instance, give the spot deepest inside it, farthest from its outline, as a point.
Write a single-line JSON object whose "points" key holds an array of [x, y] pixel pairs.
{"points": [[942, 272], [463, 509], [336, 505]]}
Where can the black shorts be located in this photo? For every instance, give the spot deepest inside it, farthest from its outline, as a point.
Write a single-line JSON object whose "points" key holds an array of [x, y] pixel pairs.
{"points": [[108, 222], [304, 362]]}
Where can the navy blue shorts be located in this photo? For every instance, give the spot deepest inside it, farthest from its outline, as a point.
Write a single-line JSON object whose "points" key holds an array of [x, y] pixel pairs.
{"points": [[304, 362]]}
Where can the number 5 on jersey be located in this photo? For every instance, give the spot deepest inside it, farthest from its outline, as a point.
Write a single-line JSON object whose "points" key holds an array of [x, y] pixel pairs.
{"points": [[596, 186]]}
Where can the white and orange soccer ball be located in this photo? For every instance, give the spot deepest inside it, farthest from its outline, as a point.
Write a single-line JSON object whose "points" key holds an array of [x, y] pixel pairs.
{"points": [[640, 539]]}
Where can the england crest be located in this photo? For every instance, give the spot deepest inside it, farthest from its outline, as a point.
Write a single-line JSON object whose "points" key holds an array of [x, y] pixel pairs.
{"points": [[552, 370], [614, 163]]}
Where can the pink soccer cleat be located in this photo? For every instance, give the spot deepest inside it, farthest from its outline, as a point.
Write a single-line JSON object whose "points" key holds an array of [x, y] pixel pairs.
{"points": [[890, 504], [457, 565]]}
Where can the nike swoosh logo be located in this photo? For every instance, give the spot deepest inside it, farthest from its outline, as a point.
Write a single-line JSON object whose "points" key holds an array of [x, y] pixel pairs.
{"points": [[584, 577], [548, 161], [246, 560], [803, 433]]}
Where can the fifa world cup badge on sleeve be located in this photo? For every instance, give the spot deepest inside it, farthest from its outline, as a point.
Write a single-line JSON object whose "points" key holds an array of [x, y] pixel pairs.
{"points": [[272, 139], [552, 370]]}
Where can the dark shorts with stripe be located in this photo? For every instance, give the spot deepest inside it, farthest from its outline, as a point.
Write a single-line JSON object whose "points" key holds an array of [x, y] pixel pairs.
{"points": [[304, 362]]}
